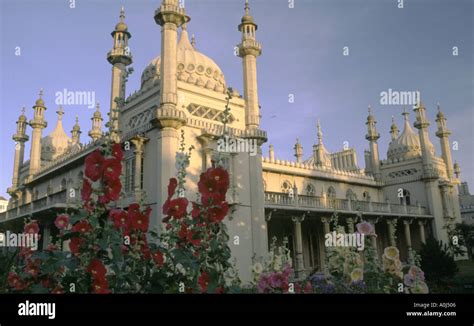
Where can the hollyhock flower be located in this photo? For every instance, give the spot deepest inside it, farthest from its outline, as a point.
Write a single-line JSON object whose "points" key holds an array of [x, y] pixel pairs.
{"points": [[357, 275], [112, 189], [117, 151], [175, 208], [139, 220], [203, 281], [112, 169], [216, 214], [15, 281], [62, 221], [93, 165], [100, 285], [32, 267], [172, 187], [82, 227], [96, 268], [120, 219], [75, 245], [214, 180], [257, 268], [420, 288], [31, 228], [158, 258], [196, 211], [415, 271], [86, 190], [308, 288], [365, 228], [391, 253], [409, 280]]}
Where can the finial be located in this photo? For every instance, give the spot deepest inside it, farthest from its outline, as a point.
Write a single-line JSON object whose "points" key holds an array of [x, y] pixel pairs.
{"points": [[439, 107], [370, 110], [60, 112], [320, 132], [41, 93], [23, 109], [247, 8], [193, 41], [122, 14], [97, 106], [393, 119], [77, 119], [405, 113]]}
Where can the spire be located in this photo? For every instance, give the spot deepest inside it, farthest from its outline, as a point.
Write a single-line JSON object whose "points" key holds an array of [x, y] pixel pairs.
{"points": [[96, 130], [393, 129], [320, 133], [193, 41], [247, 7], [60, 113], [122, 15], [271, 153], [76, 132], [298, 151]]}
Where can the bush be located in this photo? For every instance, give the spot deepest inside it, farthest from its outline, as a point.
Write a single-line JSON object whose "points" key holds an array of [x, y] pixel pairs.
{"points": [[437, 262]]}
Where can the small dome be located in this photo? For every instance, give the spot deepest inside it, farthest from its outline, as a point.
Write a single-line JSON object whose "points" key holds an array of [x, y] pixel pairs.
{"points": [[121, 27], [247, 19], [193, 67], [39, 102], [56, 143], [406, 145]]}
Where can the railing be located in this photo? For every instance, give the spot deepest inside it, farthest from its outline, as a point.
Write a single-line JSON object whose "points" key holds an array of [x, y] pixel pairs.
{"points": [[303, 201]]}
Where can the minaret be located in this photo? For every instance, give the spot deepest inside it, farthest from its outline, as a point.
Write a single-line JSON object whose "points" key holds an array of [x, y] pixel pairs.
{"points": [[443, 135], [38, 124], [393, 129], [298, 151], [249, 50], [96, 131], [271, 153], [119, 57], [76, 132], [20, 137], [169, 118], [372, 136], [320, 154], [422, 125]]}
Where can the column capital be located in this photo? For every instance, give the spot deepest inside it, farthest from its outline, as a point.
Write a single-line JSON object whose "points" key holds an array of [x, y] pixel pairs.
{"points": [[139, 141], [325, 220], [299, 219], [407, 221], [268, 217], [421, 222]]}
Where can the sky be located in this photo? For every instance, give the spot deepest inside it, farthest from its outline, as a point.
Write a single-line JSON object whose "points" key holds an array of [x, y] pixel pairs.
{"points": [[403, 49]]}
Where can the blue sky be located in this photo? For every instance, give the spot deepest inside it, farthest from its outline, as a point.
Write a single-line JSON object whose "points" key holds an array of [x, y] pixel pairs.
{"points": [[401, 49]]}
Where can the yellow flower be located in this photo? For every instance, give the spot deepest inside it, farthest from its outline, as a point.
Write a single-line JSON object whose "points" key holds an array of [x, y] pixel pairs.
{"points": [[391, 253], [357, 275]]}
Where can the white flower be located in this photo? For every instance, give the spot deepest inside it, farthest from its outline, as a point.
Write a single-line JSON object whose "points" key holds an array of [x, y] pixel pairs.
{"points": [[257, 268]]}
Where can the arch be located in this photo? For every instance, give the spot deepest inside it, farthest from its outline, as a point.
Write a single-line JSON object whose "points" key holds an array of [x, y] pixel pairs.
{"points": [[331, 192], [405, 197], [63, 184], [309, 189], [351, 194], [366, 196]]}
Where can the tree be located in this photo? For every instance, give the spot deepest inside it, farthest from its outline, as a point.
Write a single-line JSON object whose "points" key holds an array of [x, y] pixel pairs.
{"points": [[437, 262]]}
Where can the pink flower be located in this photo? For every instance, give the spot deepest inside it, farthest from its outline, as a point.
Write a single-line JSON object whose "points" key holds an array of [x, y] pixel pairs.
{"points": [[365, 228], [32, 228], [62, 221]]}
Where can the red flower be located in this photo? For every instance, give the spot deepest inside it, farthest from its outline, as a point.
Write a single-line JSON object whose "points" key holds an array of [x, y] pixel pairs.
{"points": [[196, 212], [176, 207], [96, 268], [93, 165], [15, 281], [112, 190], [117, 151], [120, 219], [185, 234], [62, 221], [139, 220], [75, 245], [216, 214], [214, 180], [82, 227], [158, 258], [203, 281], [31, 228], [100, 285], [172, 187], [86, 191], [112, 169], [32, 267]]}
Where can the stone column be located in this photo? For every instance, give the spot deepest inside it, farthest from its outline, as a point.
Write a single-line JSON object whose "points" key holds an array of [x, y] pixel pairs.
{"points": [[421, 225], [391, 233], [46, 236], [350, 225], [139, 142], [299, 268], [406, 224], [326, 230]]}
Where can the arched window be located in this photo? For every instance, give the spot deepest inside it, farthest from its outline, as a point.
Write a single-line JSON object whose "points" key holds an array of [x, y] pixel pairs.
{"points": [[63, 184], [309, 189], [366, 196], [351, 195], [286, 186], [404, 196], [331, 192]]}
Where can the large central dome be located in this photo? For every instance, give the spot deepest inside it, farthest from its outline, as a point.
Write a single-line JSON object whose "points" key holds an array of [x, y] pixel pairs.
{"points": [[193, 67]]}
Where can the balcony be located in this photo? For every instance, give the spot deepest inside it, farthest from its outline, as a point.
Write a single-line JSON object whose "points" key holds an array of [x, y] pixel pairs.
{"points": [[325, 204], [56, 200]]}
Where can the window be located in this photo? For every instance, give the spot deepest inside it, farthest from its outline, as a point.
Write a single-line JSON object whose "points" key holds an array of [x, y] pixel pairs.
{"points": [[286, 186], [405, 197], [331, 192], [351, 195], [130, 174], [366, 196], [309, 190]]}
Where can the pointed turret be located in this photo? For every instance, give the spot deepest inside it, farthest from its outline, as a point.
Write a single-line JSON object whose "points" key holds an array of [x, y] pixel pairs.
{"points": [[443, 135], [20, 138], [393, 129], [96, 131], [76, 132], [38, 124], [298, 151], [372, 136]]}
